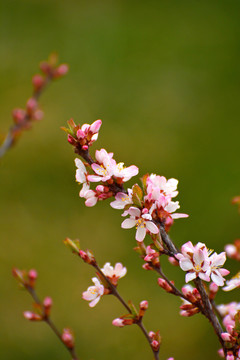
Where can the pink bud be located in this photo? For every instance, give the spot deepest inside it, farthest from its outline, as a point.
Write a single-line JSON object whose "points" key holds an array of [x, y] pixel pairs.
{"points": [[155, 345], [213, 287], [94, 128], [45, 67], [146, 267], [32, 275], [144, 305], [173, 261], [38, 82], [230, 357], [31, 105], [71, 140], [68, 338], [47, 302], [118, 322], [221, 353], [61, 70], [226, 336], [163, 284], [31, 316], [85, 147], [19, 115], [38, 115], [151, 334]]}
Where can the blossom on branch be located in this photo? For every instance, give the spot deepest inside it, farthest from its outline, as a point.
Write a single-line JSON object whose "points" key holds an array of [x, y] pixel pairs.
{"points": [[106, 168], [142, 221], [114, 274], [93, 293], [196, 260], [83, 136], [122, 199]]}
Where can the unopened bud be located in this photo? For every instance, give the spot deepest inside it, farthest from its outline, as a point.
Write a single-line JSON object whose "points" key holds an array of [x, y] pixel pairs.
{"points": [[155, 345], [164, 284], [38, 82], [68, 338], [45, 67], [47, 304], [85, 147], [32, 275], [173, 261], [31, 105], [226, 336], [87, 257], [230, 357], [118, 322], [19, 115], [20, 275], [146, 266], [32, 316], [144, 305], [71, 140], [61, 71]]}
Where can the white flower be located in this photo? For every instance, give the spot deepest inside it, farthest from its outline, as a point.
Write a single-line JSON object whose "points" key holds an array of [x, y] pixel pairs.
{"points": [[93, 293], [142, 222], [81, 172], [114, 273]]}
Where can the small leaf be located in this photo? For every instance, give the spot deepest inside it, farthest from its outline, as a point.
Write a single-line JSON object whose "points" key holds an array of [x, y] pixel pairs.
{"points": [[74, 245]]}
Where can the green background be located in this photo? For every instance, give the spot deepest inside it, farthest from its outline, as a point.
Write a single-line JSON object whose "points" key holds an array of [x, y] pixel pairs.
{"points": [[164, 78]]}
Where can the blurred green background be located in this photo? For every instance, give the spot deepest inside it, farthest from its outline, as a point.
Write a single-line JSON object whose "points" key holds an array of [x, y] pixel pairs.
{"points": [[164, 78]]}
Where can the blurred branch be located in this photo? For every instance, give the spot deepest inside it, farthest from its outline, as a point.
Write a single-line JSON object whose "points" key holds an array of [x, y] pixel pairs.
{"points": [[23, 118]]}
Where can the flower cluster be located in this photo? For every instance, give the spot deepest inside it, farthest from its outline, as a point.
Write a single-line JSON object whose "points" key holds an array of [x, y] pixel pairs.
{"points": [[198, 262], [83, 136]]}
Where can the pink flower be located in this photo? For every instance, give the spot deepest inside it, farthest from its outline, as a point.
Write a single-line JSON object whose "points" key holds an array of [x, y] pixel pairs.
{"points": [[142, 222], [118, 322], [108, 168], [121, 200], [159, 185], [198, 262], [233, 283], [151, 254], [228, 311], [217, 260], [114, 273], [93, 293], [195, 261]]}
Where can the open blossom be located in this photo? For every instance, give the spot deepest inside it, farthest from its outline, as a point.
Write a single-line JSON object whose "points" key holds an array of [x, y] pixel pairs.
{"points": [[228, 311], [122, 199], [233, 250], [93, 293], [196, 260], [114, 274], [108, 168], [142, 222], [233, 283], [158, 185]]}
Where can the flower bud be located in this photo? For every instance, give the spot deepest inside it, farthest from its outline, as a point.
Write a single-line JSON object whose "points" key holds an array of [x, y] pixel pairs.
{"points": [[118, 322], [32, 275], [164, 284], [29, 315], [147, 267], [226, 336], [173, 261], [60, 71], [155, 345], [38, 82], [144, 305], [19, 116], [68, 338], [47, 304]]}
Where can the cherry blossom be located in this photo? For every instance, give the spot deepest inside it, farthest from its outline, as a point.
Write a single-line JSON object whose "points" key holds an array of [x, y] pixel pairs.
{"points": [[93, 293], [106, 168], [114, 274], [158, 185], [233, 283], [196, 260], [142, 222], [121, 200]]}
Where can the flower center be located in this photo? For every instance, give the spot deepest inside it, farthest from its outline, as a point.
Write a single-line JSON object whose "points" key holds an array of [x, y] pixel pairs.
{"points": [[140, 223]]}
